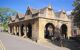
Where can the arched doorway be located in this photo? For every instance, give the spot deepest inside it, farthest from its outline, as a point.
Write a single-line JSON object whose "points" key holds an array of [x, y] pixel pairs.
{"points": [[22, 30], [64, 30], [49, 30], [29, 31], [17, 30]]}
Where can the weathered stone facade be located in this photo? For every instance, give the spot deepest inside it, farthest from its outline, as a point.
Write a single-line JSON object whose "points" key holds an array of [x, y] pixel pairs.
{"points": [[33, 23]]}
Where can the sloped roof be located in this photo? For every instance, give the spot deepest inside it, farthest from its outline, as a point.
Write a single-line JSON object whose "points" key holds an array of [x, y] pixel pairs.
{"points": [[57, 14], [12, 18], [20, 15], [34, 11]]}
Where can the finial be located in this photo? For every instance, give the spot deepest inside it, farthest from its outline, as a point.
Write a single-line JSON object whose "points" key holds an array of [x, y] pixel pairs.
{"points": [[49, 6], [63, 11]]}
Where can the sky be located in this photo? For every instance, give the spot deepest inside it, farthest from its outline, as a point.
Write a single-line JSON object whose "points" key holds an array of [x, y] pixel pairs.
{"points": [[21, 5]]}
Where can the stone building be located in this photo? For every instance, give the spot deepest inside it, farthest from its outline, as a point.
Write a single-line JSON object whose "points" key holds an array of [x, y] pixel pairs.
{"points": [[35, 23]]}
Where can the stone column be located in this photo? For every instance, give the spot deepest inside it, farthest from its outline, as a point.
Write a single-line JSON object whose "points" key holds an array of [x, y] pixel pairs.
{"points": [[19, 30], [35, 31], [12, 29], [41, 28], [41, 33], [69, 30], [9, 29], [15, 30]]}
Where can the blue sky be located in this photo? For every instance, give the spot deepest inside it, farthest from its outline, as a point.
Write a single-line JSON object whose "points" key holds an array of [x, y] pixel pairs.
{"points": [[21, 5]]}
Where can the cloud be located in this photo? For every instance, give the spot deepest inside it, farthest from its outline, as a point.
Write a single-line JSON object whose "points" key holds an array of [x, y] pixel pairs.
{"points": [[59, 10], [69, 12]]}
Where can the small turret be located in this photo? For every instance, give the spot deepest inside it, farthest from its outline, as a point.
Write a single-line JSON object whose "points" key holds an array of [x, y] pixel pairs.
{"points": [[63, 11], [49, 6]]}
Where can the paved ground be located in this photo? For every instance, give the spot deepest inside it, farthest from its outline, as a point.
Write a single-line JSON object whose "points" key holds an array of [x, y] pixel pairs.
{"points": [[11, 42], [14, 43]]}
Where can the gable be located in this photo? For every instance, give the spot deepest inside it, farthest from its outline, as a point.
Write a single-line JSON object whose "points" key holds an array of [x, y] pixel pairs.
{"points": [[17, 18], [50, 13], [28, 11], [63, 15], [10, 20]]}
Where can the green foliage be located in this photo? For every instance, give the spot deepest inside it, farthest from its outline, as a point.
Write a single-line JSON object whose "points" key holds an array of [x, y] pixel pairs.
{"points": [[76, 12], [5, 26], [75, 3], [5, 13]]}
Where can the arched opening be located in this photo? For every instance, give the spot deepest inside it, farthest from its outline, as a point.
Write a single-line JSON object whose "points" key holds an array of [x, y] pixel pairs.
{"points": [[29, 31], [49, 30], [22, 30], [17, 30], [64, 30]]}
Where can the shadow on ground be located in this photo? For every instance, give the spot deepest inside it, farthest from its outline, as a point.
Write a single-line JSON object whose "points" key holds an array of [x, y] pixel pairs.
{"points": [[71, 44]]}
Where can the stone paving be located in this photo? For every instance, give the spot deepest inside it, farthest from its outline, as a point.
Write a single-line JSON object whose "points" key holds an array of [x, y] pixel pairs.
{"points": [[11, 42], [2, 47]]}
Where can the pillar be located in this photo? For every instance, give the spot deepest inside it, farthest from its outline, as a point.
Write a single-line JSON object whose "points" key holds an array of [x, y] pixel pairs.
{"points": [[19, 30], [41, 32], [42, 24], [35, 31], [15, 30], [9, 29], [69, 30], [12, 30]]}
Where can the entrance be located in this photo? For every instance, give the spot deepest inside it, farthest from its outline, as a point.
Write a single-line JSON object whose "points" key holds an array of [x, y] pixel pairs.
{"points": [[64, 30], [22, 30], [49, 30], [29, 31]]}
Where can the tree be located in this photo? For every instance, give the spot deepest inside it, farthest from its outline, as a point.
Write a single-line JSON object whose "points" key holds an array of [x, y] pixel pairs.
{"points": [[5, 14], [76, 12]]}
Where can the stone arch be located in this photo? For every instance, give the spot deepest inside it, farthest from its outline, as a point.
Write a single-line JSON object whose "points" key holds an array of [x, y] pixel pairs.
{"points": [[17, 29], [10, 28], [29, 31], [22, 30], [49, 30], [64, 30]]}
